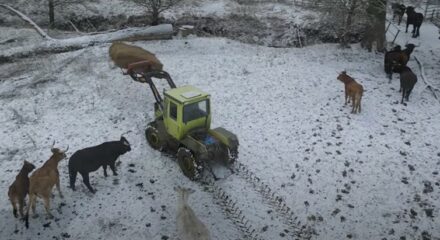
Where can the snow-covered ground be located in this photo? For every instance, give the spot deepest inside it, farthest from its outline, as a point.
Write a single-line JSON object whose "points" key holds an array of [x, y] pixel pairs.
{"points": [[374, 175]]}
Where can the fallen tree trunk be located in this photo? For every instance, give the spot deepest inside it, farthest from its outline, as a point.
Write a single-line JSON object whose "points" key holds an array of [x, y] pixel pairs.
{"points": [[27, 19], [164, 31]]}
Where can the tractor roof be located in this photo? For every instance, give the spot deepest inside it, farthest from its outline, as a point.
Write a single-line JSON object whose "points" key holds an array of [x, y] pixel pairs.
{"points": [[186, 94]]}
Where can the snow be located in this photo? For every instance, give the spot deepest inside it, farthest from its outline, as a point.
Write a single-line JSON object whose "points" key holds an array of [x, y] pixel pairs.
{"points": [[372, 175], [18, 37], [218, 8]]}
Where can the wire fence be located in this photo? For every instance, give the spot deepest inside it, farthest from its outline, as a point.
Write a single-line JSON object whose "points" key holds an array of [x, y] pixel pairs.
{"points": [[431, 10], [433, 14], [392, 29]]}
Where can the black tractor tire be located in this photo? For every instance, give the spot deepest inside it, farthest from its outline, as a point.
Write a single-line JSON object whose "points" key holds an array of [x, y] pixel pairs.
{"points": [[153, 138], [188, 164]]}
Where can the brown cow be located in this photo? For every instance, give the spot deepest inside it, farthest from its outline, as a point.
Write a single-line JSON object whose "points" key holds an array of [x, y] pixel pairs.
{"points": [[20, 188], [133, 58], [353, 91], [43, 180]]}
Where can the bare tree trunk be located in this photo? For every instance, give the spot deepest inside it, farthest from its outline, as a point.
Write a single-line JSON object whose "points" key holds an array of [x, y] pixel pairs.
{"points": [[51, 14], [380, 35], [376, 30], [348, 23], [155, 16]]}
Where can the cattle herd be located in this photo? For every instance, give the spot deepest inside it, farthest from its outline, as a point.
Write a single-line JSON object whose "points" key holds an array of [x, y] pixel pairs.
{"points": [[42, 180], [395, 61], [84, 161]]}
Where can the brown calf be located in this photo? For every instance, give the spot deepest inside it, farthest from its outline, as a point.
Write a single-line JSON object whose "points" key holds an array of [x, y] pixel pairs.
{"points": [[43, 180], [353, 91], [20, 188]]}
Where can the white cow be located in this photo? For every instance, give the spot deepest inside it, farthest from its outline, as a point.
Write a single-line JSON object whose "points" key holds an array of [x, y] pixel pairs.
{"points": [[189, 227]]}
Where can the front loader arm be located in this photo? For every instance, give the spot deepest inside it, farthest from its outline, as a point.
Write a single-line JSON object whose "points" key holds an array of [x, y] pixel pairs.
{"points": [[137, 74]]}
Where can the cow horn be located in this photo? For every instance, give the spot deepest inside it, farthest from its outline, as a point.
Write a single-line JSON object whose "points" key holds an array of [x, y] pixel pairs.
{"points": [[66, 148], [53, 144]]}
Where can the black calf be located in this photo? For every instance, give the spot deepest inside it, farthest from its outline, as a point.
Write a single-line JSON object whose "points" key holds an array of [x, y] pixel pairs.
{"points": [[407, 80], [414, 18], [90, 159]]}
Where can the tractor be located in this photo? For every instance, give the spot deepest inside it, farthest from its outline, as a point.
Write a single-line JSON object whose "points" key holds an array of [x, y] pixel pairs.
{"points": [[182, 125]]}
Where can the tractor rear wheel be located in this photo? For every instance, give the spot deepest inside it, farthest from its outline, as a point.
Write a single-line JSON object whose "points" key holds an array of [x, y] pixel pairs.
{"points": [[188, 164], [153, 138]]}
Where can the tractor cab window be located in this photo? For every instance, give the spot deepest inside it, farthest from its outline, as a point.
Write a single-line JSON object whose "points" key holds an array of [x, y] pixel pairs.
{"points": [[173, 111], [196, 110]]}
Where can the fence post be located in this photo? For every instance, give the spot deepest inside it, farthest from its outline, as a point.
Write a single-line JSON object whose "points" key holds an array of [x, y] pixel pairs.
{"points": [[398, 31], [426, 8], [386, 30]]}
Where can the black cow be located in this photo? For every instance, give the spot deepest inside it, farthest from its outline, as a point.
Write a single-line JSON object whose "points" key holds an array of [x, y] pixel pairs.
{"points": [[415, 19], [90, 159], [407, 80], [398, 10], [397, 56]]}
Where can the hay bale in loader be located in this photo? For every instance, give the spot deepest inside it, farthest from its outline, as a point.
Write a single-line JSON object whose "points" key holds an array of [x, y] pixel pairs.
{"points": [[134, 58]]}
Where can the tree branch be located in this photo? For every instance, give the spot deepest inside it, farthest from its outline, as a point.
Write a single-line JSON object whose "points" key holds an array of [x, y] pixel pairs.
{"points": [[61, 2], [27, 19]]}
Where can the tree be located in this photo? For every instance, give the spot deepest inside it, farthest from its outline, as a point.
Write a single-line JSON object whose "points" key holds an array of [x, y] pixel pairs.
{"points": [[51, 13], [350, 18], [52, 4], [375, 33], [155, 7], [344, 18]]}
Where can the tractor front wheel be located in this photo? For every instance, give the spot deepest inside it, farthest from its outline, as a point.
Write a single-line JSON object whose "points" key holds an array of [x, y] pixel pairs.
{"points": [[153, 138], [188, 164]]}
